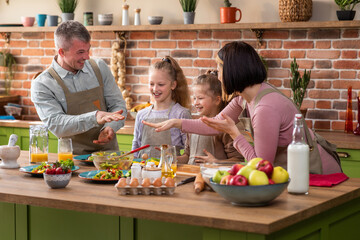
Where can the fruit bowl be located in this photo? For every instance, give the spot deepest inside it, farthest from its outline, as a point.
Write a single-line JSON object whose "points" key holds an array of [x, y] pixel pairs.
{"points": [[110, 160], [57, 180], [259, 195], [209, 169]]}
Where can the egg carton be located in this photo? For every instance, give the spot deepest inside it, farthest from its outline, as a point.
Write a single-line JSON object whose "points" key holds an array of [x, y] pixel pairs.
{"points": [[150, 190]]}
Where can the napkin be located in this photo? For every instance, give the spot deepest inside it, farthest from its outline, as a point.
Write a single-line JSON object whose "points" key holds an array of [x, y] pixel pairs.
{"points": [[328, 180]]}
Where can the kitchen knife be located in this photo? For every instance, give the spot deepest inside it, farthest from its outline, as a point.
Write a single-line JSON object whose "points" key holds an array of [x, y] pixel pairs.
{"points": [[185, 181]]}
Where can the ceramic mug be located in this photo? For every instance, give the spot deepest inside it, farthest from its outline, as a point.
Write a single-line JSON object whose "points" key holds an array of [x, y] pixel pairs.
{"points": [[53, 20], [27, 21], [228, 15], [40, 19]]}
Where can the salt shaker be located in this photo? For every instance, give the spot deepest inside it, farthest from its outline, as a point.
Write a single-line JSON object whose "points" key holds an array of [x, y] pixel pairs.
{"points": [[125, 15], [135, 170], [137, 17]]}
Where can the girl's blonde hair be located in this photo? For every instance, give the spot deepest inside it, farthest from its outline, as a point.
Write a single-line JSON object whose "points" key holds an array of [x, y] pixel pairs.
{"points": [[181, 93], [215, 87]]}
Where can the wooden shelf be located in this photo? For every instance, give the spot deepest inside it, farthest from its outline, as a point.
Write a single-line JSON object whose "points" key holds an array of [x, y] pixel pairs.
{"points": [[192, 27]]}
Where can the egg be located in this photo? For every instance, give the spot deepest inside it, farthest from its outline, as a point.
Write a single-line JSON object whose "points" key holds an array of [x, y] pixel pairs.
{"points": [[145, 156], [121, 182], [169, 182], [145, 182], [134, 182], [157, 182]]}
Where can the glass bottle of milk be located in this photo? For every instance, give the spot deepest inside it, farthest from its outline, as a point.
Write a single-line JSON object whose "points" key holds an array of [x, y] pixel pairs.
{"points": [[298, 159]]}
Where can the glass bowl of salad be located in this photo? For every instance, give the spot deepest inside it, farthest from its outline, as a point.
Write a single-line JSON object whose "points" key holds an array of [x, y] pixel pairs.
{"points": [[110, 160]]}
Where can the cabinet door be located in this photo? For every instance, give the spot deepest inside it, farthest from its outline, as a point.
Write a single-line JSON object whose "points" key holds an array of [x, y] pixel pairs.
{"points": [[350, 161], [23, 138], [5, 133], [125, 141]]}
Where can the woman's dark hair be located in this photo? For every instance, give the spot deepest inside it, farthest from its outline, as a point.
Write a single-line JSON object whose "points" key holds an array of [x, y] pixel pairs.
{"points": [[242, 67]]}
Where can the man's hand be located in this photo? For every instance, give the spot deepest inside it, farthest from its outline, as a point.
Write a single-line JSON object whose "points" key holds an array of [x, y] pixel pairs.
{"points": [[105, 136], [103, 117]]}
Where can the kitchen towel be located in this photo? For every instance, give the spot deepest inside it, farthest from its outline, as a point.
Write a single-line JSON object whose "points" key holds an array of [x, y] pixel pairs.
{"points": [[328, 180]]}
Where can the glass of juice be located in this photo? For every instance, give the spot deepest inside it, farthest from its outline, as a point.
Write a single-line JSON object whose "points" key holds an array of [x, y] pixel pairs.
{"points": [[65, 149], [38, 144]]}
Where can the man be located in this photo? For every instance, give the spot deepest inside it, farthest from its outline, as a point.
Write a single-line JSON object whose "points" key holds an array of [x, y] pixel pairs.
{"points": [[76, 96]]}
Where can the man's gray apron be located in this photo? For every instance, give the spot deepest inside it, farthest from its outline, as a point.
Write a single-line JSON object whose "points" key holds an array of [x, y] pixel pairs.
{"points": [[84, 102]]}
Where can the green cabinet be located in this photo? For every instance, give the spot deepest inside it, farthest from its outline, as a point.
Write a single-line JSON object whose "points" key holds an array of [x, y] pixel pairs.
{"points": [[350, 161]]}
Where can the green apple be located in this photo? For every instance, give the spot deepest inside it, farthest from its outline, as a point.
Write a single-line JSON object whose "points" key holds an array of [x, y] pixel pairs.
{"points": [[280, 175], [219, 175], [245, 171], [254, 161], [258, 178]]}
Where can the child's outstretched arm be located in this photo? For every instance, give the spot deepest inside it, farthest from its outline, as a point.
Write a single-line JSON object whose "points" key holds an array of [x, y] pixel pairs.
{"points": [[165, 125]]}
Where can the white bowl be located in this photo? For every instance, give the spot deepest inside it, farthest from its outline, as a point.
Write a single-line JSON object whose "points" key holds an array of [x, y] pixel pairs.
{"points": [[57, 180], [105, 19]]}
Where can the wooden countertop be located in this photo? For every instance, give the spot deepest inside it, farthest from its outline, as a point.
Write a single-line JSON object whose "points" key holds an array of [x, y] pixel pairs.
{"points": [[341, 139], [207, 209]]}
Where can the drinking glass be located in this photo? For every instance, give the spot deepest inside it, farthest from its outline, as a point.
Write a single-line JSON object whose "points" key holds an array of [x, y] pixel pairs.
{"points": [[38, 144], [65, 149]]}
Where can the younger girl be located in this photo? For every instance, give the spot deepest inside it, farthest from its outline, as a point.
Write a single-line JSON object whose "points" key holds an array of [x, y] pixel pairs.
{"points": [[170, 94], [208, 102]]}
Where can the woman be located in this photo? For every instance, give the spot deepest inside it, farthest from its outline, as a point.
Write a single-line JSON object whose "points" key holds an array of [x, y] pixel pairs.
{"points": [[271, 114]]}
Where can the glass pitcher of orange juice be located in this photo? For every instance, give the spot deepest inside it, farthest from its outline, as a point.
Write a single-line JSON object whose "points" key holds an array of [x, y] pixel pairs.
{"points": [[39, 143]]}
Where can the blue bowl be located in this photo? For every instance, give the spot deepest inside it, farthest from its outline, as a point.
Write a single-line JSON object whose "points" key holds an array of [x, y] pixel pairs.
{"points": [[249, 195]]}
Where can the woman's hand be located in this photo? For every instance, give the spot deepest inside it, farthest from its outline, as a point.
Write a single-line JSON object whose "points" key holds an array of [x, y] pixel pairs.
{"points": [[226, 125], [165, 125], [103, 117]]}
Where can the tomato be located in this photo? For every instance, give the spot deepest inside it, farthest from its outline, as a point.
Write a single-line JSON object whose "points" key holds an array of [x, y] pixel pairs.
{"points": [[48, 171], [59, 171]]}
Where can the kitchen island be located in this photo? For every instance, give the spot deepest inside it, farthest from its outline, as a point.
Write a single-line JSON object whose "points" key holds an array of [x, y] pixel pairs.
{"points": [[87, 210]]}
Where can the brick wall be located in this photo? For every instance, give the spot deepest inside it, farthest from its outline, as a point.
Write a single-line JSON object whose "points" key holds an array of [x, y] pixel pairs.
{"points": [[332, 56]]}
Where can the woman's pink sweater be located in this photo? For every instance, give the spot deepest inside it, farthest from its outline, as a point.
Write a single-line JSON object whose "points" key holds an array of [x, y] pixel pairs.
{"points": [[272, 120]]}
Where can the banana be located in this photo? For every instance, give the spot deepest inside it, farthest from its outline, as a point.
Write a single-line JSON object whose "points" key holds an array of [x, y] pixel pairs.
{"points": [[140, 106]]}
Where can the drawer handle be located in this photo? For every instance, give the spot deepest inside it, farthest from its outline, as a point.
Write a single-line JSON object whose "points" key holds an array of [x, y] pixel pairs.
{"points": [[343, 154]]}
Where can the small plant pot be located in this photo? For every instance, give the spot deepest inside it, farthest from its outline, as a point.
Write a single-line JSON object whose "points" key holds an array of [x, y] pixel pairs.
{"points": [[189, 17], [67, 16], [345, 15]]}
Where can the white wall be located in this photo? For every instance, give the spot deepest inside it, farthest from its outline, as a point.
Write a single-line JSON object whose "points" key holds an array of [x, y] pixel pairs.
{"points": [[207, 10]]}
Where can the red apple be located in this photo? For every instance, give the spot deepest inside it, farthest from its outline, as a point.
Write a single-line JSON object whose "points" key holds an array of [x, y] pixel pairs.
{"points": [[271, 181], [238, 180], [266, 167], [226, 180], [235, 169]]}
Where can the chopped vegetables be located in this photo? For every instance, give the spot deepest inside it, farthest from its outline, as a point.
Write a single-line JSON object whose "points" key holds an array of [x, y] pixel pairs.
{"points": [[109, 174]]}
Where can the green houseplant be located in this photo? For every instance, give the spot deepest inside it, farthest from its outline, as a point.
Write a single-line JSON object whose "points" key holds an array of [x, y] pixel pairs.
{"points": [[189, 7], [7, 61], [67, 8], [298, 84], [346, 11]]}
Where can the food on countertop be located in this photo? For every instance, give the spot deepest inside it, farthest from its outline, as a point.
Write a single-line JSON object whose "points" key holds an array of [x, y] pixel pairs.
{"points": [[258, 171], [65, 165], [109, 174], [140, 106], [148, 186], [145, 156]]}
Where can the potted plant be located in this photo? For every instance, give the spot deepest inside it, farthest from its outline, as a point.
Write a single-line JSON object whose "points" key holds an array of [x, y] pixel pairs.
{"points": [[7, 61], [188, 7], [346, 11], [299, 84], [67, 8], [228, 13]]}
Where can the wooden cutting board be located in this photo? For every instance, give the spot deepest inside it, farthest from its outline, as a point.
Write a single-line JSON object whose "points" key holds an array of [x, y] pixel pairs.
{"points": [[187, 170]]}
